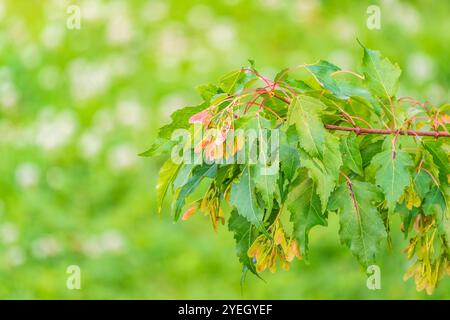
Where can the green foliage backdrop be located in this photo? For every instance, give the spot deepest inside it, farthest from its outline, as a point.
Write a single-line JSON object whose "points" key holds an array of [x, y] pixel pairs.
{"points": [[77, 106]]}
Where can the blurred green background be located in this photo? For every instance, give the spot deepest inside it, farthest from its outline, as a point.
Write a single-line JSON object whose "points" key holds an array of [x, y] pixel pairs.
{"points": [[77, 106]]}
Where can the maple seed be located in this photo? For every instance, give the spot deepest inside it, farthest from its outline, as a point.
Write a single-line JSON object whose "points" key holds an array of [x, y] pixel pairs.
{"points": [[265, 250], [203, 117], [189, 212]]}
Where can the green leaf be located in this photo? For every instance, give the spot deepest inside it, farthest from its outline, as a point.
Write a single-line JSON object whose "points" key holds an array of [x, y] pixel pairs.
{"points": [[276, 105], [265, 184], [407, 216], [305, 112], [229, 81], [422, 183], [341, 88], [324, 173], [244, 237], [207, 91], [370, 145], [359, 94], [243, 198], [183, 175], [440, 158], [299, 85], [289, 155], [350, 153], [393, 174], [361, 226], [198, 174], [290, 161], [304, 205], [167, 173], [266, 172], [180, 120], [159, 147], [282, 75], [322, 71], [434, 204], [218, 98], [380, 75], [236, 80]]}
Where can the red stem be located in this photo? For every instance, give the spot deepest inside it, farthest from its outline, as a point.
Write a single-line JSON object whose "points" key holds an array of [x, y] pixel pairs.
{"points": [[359, 130]]}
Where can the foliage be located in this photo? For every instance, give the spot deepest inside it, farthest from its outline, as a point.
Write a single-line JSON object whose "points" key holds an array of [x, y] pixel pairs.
{"points": [[324, 121]]}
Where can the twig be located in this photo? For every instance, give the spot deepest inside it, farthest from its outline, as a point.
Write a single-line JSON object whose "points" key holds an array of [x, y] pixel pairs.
{"points": [[359, 130]]}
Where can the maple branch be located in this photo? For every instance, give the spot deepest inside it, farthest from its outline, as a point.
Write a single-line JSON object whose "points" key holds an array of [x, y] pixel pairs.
{"points": [[358, 130]]}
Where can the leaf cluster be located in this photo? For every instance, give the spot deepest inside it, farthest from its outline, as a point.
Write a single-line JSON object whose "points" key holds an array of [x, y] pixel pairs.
{"points": [[365, 179]]}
